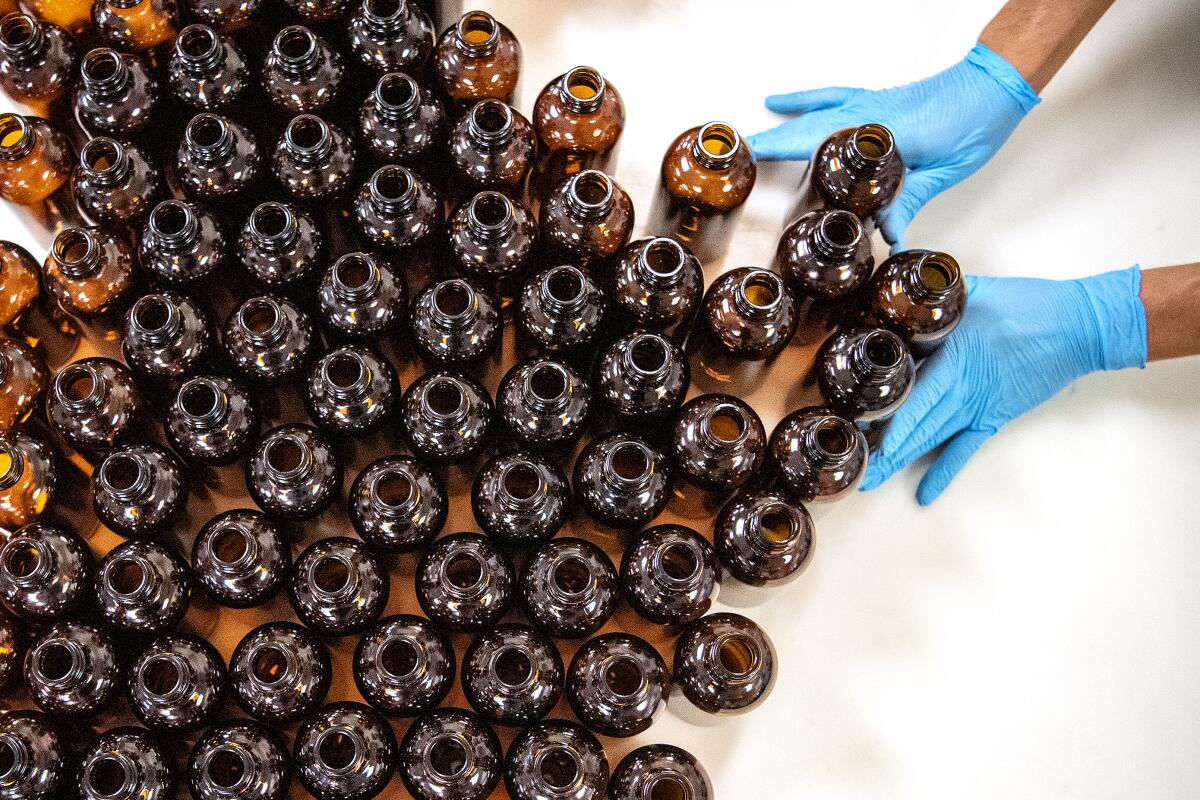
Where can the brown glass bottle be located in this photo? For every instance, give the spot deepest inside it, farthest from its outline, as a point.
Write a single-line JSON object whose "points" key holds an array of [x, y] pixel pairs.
{"points": [[23, 382], [856, 169], [182, 244], [314, 160], [90, 273], [865, 374], [762, 538], [401, 123], [27, 313], [208, 71], [218, 159], [35, 159], [579, 117], [492, 241], [280, 247], [70, 15], [749, 314], [816, 456], [37, 61], [361, 299], [477, 58], [28, 478], [660, 771], [707, 174], [116, 95], [724, 663], [302, 74], [825, 256], [93, 404], [389, 35], [657, 285], [115, 184], [225, 15], [491, 147], [919, 294], [398, 211], [718, 444], [319, 10], [586, 218], [136, 25]]}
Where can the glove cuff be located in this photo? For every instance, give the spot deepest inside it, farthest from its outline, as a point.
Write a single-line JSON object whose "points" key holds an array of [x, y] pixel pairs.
{"points": [[1004, 74], [1119, 316]]}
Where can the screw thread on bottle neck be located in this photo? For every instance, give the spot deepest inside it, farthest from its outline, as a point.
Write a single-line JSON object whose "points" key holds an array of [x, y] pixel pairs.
{"points": [[17, 137], [288, 459], [759, 294], [628, 466], [661, 262], [261, 321], [444, 403], [105, 161], [454, 305], [273, 226], [828, 442], [76, 251], [333, 577], [546, 387], [869, 149], [308, 139], [647, 358], [13, 462], [297, 51], [356, 278], [384, 17], [477, 34], [590, 195], [345, 375], [27, 561], [199, 49], [563, 290], [491, 217], [393, 191], [105, 73], [235, 550], [836, 235], [933, 277], [127, 476], [394, 493], [717, 145], [397, 97], [773, 529], [202, 403], [80, 387], [490, 125], [155, 319], [522, 486], [22, 38], [173, 225], [582, 90], [209, 138], [877, 356]]}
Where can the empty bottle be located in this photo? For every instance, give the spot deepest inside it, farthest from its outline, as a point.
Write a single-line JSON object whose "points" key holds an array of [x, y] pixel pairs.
{"points": [[239, 760], [35, 159], [825, 255], [657, 285], [28, 478], [38, 769], [225, 15], [398, 211], [561, 311], [660, 770], [670, 574], [126, 764], [293, 473], [402, 123], [338, 587], [578, 117], [351, 391], [569, 588], [391, 35], [93, 404], [182, 244], [139, 490], [554, 759], [167, 337], [115, 184], [761, 538], [45, 573], [280, 247], [136, 25], [218, 159], [404, 666], [587, 217], [446, 417], [465, 583], [302, 73], [617, 685], [641, 376], [117, 94], [748, 314], [176, 684], [91, 274], [37, 61], [27, 313], [492, 241], [477, 58], [512, 675], [620, 480], [452, 324], [724, 663], [707, 174], [717, 444], [865, 374], [855, 169], [919, 294], [361, 298], [208, 71], [73, 671], [816, 455], [520, 498], [344, 751], [450, 753], [142, 588], [23, 382], [241, 559], [279, 672], [491, 147], [314, 160], [397, 505], [269, 340], [543, 403], [212, 421]]}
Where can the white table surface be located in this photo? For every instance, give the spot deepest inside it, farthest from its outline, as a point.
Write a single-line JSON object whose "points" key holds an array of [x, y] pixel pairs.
{"points": [[1035, 633]]}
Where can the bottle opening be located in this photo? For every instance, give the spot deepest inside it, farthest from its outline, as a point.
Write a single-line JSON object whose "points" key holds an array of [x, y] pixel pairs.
{"points": [[307, 132], [331, 573], [399, 658], [22, 560], [478, 28], [394, 489], [345, 370], [101, 65], [491, 117], [841, 228], [270, 664], [491, 209], [17, 30], [669, 788], [571, 575], [106, 776], [74, 247], [101, 155], [153, 313], [739, 655], [392, 184], [680, 561], [296, 43], [353, 271], [559, 769], [565, 285], [8, 758], [77, 384], [285, 455], [631, 462], [727, 425], [225, 769], [383, 9], [623, 676], [396, 90], [206, 130], [448, 757], [938, 272], [522, 481], [121, 472], [761, 291], [665, 257], [198, 42], [884, 349], [584, 83], [718, 139], [55, 661], [548, 382], [833, 438], [160, 675], [199, 399], [270, 219], [513, 667], [126, 576], [13, 130], [337, 749], [445, 397], [650, 354], [259, 315], [453, 298], [230, 545], [777, 527], [464, 571], [873, 142], [591, 189]]}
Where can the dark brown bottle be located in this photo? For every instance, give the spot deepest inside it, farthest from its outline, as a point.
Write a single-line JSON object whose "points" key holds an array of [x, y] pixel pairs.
{"points": [[446, 417], [450, 754], [717, 444], [404, 666], [641, 377], [139, 490], [622, 481], [491, 147], [319, 10], [37, 61], [344, 751], [477, 58], [182, 244], [452, 324], [176, 684], [397, 505], [338, 586], [280, 247], [492, 241], [28, 478], [670, 574], [543, 404], [660, 770], [578, 117], [23, 382], [825, 256], [90, 274], [314, 160], [855, 169], [293, 473], [269, 340], [115, 184], [761, 538], [657, 285], [27, 313], [919, 294], [561, 311], [93, 404], [239, 760], [241, 559], [707, 174], [142, 588], [225, 15], [361, 298], [35, 159], [617, 685], [569, 588], [586, 218], [137, 25], [401, 123], [398, 211], [218, 159], [724, 663], [465, 583], [865, 374], [520, 498], [126, 764], [208, 71], [38, 770], [556, 759], [816, 455], [748, 314], [167, 337], [117, 94], [302, 74], [391, 35], [45, 573], [280, 672], [512, 675], [73, 671], [351, 391]]}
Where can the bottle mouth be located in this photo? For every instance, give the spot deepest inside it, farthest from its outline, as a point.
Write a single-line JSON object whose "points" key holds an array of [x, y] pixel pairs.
{"points": [[198, 45], [261, 318], [345, 370], [332, 574], [883, 350], [308, 138], [110, 776], [393, 490], [355, 275], [20, 34], [76, 251], [717, 145], [78, 385], [270, 665], [513, 668], [490, 214], [490, 122], [127, 476], [233, 548], [739, 656], [564, 285], [12, 464], [12, 758], [559, 769], [454, 300], [590, 194], [173, 222], [761, 291], [449, 757], [339, 749], [630, 463], [228, 768], [727, 425], [838, 233], [400, 658], [163, 675], [16, 137], [663, 258], [272, 222], [647, 356], [521, 482], [872, 143], [24, 560], [938, 273], [777, 526], [296, 48], [104, 70], [126, 576], [679, 562], [208, 136], [624, 677], [571, 577], [582, 89], [833, 437], [549, 383], [464, 574], [444, 399], [103, 158], [384, 11], [397, 95], [477, 32], [58, 662], [155, 317], [287, 457]]}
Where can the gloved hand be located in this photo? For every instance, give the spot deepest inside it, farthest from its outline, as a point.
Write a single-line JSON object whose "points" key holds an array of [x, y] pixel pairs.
{"points": [[945, 127], [1020, 342]]}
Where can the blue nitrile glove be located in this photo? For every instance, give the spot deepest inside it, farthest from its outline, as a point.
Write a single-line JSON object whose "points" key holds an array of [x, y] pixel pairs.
{"points": [[1021, 340], [945, 127]]}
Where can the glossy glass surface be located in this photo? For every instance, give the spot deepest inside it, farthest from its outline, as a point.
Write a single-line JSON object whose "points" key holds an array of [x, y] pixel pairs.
{"points": [[114, 184], [825, 255], [450, 754], [238, 761], [94, 403], [621, 480], [127, 764], [816, 455], [240, 558], [762, 538], [465, 583], [642, 375], [520, 498], [293, 472], [35, 159], [657, 285], [543, 403], [225, 15], [556, 760], [280, 247], [617, 685], [212, 421], [38, 769], [71, 15], [361, 298], [302, 74], [23, 381], [117, 94], [142, 588], [280, 672], [29, 476], [512, 675], [389, 35], [176, 684], [208, 71], [181, 244], [12, 652], [90, 273], [167, 336], [724, 663], [351, 391], [402, 123], [446, 417], [45, 573], [344, 751], [865, 374], [397, 210], [397, 504], [561, 311], [660, 770], [319, 10], [856, 169], [338, 586], [749, 314], [477, 58], [313, 160], [492, 240], [569, 588], [718, 443], [492, 146], [587, 217], [137, 25], [670, 574], [72, 671], [578, 117], [453, 325], [218, 159], [37, 60], [404, 666], [919, 294], [139, 490], [268, 339]]}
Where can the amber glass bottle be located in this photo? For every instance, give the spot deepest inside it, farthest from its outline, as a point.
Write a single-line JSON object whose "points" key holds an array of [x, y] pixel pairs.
{"points": [[825, 256], [451, 324], [314, 160], [579, 118], [319, 10], [587, 218], [207, 71], [37, 61], [182, 244], [28, 478], [90, 273], [398, 211], [401, 123], [816, 455], [218, 159], [225, 15], [865, 374], [302, 73], [491, 147], [707, 174], [561, 311], [23, 381], [660, 771], [35, 159], [115, 184], [280, 247], [920, 294], [492, 241], [762, 538], [855, 169], [656, 285], [136, 25], [388, 35], [361, 299], [749, 314], [70, 15], [477, 58], [718, 444], [93, 404], [27, 313], [724, 663]]}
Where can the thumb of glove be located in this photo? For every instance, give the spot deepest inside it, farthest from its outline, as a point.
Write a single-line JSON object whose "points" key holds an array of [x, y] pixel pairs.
{"points": [[920, 186]]}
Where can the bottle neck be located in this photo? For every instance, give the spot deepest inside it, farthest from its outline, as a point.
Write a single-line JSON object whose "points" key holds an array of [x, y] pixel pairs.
{"points": [[491, 218], [661, 263], [22, 38], [385, 17], [392, 191], [12, 463], [444, 404], [773, 529], [5, 367], [932, 278], [76, 251], [209, 139], [571, 580], [61, 663], [877, 356], [80, 387], [490, 125], [274, 668], [308, 140], [828, 442], [733, 659], [394, 494], [582, 90], [590, 196], [759, 294], [235, 550], [173, 226], [628, 467], [333, 578], [623, 681], [288, 460], [155, 319], [261, 321], [202, 404], [356, 278], [717, 146], [562, 291], [27, 562], [127, 477], [677, 565], [836, 235], [140, 566], [546, 388], [522, 487], [477, 34], [18, 757], [454, 305], [297, 52], [351, 746], [17, 137], [273, 227], [869, 149], [167, 678], [199, 50], [105, 161], [345, 375], [724, 429], [239, 783], [105, 73], [646, 360], [397, 98]]}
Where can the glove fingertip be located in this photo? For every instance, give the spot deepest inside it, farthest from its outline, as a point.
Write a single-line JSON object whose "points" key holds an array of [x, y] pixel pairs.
{"points": [[951, 461]]}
